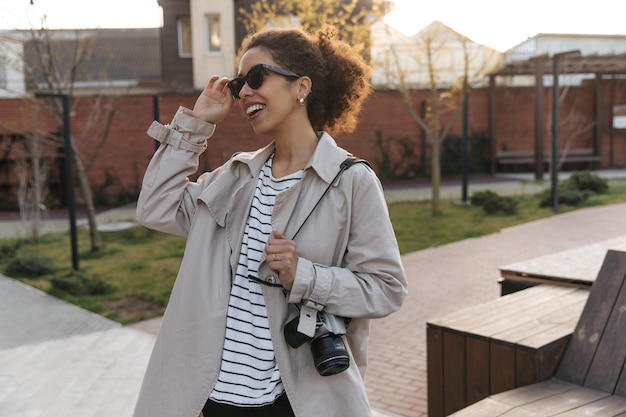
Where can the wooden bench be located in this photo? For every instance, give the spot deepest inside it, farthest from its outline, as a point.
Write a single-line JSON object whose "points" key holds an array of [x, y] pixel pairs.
{"points": [[590, 379], [508, 342], [574, 267], [580, 155]]}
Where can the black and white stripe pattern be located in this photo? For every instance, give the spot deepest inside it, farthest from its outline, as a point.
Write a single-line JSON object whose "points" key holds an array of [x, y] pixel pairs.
{"points": [[249, 375]]}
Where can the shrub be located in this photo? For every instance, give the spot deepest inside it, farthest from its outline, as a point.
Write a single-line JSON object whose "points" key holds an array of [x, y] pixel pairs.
{"points": [[586, 181], [397, 159], [29, 266], [504, 205], [576, 189], [493, 203], [8, 248], [479, 197], [78, 284], [572, 197]]}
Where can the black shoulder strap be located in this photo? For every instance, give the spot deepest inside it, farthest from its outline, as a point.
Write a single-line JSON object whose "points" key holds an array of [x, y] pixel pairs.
{"points": [[349, 161], [346, 164]]}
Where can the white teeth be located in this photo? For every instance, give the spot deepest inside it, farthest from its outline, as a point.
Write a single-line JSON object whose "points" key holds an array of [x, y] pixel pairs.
{"points": [[253, 108]]}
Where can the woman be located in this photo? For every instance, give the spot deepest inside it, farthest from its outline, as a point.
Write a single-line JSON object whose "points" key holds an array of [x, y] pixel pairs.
{"points": [[267, 245]]}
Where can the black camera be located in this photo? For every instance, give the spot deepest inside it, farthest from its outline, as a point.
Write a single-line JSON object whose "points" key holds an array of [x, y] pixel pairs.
{"points": [[329, 352]]}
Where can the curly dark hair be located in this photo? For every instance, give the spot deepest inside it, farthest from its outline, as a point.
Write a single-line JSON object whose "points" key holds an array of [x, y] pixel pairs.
{"points": [[340, 76]]}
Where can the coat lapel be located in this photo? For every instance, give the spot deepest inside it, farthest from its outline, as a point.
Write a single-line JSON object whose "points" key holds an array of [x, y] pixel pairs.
{"points": [[293, 206]]}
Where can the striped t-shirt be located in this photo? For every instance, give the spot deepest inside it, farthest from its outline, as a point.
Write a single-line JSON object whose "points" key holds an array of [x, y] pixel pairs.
{"points": [[249, 375]]}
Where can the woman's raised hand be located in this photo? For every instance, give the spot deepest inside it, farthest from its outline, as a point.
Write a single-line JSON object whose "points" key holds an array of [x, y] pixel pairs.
{"points": [[215, 101]]}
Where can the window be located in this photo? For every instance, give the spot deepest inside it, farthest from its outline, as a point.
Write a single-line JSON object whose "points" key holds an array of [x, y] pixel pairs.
{"points": [[212, 32], [3, 74], [184, 36], [619, 116]]}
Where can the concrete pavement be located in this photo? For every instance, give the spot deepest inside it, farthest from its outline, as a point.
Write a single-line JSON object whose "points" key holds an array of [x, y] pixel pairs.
{"points": [[59, 360]]}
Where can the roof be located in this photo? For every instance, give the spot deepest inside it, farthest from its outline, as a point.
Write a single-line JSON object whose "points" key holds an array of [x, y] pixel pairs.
{"points": [[108, 56], [572, 62]]}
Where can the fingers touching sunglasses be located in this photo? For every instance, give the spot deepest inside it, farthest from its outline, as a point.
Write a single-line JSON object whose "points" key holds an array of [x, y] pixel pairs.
{"points": [[254, 78]]}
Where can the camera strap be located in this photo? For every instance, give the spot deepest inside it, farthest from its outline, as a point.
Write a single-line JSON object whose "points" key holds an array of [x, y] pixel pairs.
{"points": [[310, 308], [346, 164]]}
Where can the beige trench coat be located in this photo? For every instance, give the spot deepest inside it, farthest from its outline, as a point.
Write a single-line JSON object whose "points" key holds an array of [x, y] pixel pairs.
{"points": [[349, 264]]}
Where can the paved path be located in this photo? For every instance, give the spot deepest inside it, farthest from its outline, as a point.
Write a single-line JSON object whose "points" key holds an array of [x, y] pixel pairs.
{"points": [[458, 275], [57, 360]]}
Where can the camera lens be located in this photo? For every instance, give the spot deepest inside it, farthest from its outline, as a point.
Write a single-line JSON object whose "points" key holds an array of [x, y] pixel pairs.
{"points": [[329, 354]]}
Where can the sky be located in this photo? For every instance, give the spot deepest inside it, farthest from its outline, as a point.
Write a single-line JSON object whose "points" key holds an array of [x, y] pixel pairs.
{"points": [[500, 24]]}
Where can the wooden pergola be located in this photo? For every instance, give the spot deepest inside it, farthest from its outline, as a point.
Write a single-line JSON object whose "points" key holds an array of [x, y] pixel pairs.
{"points": [[571, 62]]}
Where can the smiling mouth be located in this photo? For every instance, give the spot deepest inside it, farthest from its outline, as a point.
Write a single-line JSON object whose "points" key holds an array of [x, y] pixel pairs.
{"points": [[255, 108]]}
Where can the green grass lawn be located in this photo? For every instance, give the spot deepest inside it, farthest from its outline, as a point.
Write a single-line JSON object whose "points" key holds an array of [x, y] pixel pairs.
{"points": [[416, 228], [138, 266]]}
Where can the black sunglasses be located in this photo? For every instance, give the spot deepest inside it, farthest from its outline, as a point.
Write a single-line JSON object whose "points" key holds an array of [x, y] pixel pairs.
{"points": [[254, 78]]}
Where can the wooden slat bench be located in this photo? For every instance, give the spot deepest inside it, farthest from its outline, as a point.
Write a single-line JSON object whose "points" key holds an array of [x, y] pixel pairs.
{"points": [[591, 378], [574, 267], [505, 343], [528, 157]]}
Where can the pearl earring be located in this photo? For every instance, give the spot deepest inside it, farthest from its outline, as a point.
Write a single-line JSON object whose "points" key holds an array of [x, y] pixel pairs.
{"points": [[301, 101]]}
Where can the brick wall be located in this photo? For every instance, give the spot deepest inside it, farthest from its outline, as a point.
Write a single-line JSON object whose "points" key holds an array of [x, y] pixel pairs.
{"points": [[515, 120], [119, 163]]}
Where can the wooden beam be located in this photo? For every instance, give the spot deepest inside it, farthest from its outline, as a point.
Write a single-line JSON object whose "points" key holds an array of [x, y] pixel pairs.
{"points": [[539, 121], [576, 64], [493, 139], [599, 116]]}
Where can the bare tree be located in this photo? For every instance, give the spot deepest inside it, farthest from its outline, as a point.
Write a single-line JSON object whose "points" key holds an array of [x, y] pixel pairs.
{"points": [[54, 67], [57, 66], [577, 124], [32, 191], [442, 62]]}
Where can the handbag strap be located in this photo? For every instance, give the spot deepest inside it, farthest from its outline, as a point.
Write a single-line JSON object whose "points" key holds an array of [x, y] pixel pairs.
{"points": [[346, 164]]}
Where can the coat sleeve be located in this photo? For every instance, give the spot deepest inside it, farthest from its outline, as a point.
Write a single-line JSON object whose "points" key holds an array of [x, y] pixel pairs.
{"points": [[370, 282], [167, 199]]}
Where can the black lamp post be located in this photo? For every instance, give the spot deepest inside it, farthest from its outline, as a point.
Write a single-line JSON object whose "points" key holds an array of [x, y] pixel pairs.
{"points": [[68, 172], [464, 145]]}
